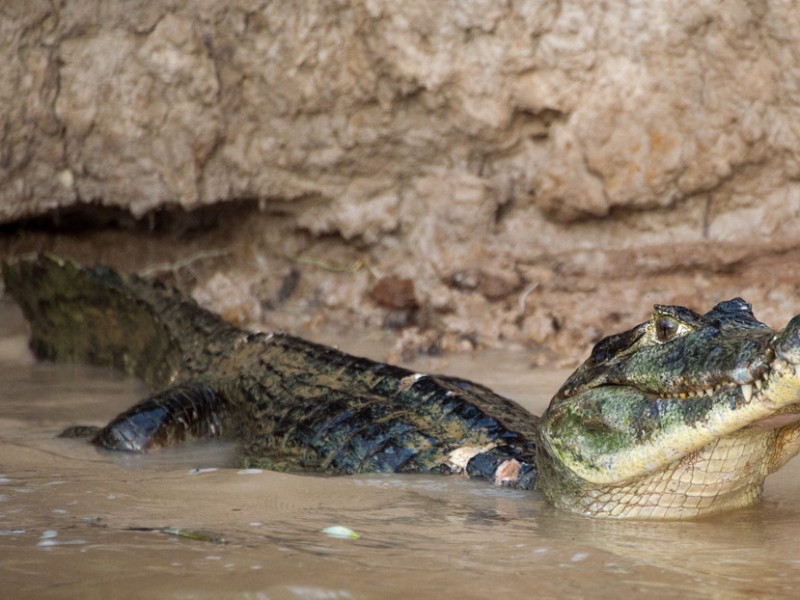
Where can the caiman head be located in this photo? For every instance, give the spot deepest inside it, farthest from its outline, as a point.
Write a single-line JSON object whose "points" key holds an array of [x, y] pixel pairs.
{"points": [[683, 415]]}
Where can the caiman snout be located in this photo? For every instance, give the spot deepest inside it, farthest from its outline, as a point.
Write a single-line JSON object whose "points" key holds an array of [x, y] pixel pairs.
{"points": [[787, 342]]}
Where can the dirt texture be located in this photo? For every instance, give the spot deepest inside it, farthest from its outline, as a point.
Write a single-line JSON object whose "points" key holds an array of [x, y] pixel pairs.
{"points": [[462, 172]]}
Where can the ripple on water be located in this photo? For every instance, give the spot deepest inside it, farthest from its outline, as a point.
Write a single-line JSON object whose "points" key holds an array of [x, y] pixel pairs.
{"points": [[47, 539]]}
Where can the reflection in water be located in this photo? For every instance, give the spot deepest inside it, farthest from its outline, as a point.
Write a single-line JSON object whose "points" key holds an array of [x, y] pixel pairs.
{"points": [[77, 522]]}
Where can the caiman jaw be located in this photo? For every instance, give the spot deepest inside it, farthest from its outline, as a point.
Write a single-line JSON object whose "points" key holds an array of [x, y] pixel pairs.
{"points": [[782, 379], [777, 373], [613, 449], [780, 383], [726, 473]]}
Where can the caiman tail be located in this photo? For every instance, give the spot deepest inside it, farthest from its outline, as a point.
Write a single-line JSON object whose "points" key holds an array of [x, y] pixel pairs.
{"points": [[142, 327], [291, 404], [95, 315]]}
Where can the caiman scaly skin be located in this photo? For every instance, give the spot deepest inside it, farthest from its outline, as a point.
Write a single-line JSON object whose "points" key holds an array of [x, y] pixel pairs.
{"points": [[681, 416], [291, 404]]}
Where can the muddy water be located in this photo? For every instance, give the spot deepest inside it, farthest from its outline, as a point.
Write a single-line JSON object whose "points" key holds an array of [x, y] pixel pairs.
{"points": [[78, 523]]}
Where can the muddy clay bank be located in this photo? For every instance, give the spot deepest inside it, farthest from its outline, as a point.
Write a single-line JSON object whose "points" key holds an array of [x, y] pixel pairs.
{"points": [[460, 173]]}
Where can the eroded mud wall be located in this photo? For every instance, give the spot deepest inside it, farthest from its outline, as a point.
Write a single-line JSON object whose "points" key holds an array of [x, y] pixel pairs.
{"points": [[541, 170]]}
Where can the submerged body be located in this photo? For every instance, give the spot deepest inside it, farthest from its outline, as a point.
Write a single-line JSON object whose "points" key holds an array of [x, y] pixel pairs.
{"points": [[681, 416]]}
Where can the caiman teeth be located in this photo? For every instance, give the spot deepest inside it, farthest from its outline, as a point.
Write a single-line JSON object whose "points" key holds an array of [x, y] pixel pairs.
{"points": [[747, 391], [777, 370]]}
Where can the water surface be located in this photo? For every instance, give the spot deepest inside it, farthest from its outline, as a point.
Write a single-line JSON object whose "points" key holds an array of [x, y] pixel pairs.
{"points": [[75, 522]]}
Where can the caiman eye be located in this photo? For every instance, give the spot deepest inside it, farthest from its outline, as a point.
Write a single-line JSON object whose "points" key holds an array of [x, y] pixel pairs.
{"points": [[666, 329]]}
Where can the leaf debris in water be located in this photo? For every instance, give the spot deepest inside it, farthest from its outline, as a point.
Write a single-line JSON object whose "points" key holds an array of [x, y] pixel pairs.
{"points": [[340, 532], [201, 471], [192, 534]]}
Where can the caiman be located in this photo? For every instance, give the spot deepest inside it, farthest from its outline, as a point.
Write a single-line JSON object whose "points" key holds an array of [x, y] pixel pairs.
{"points": [[681, 416]]}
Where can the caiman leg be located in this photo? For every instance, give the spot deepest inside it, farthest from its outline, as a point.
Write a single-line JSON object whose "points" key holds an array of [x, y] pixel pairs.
{"points": [[177, 414], [291, 404]]}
